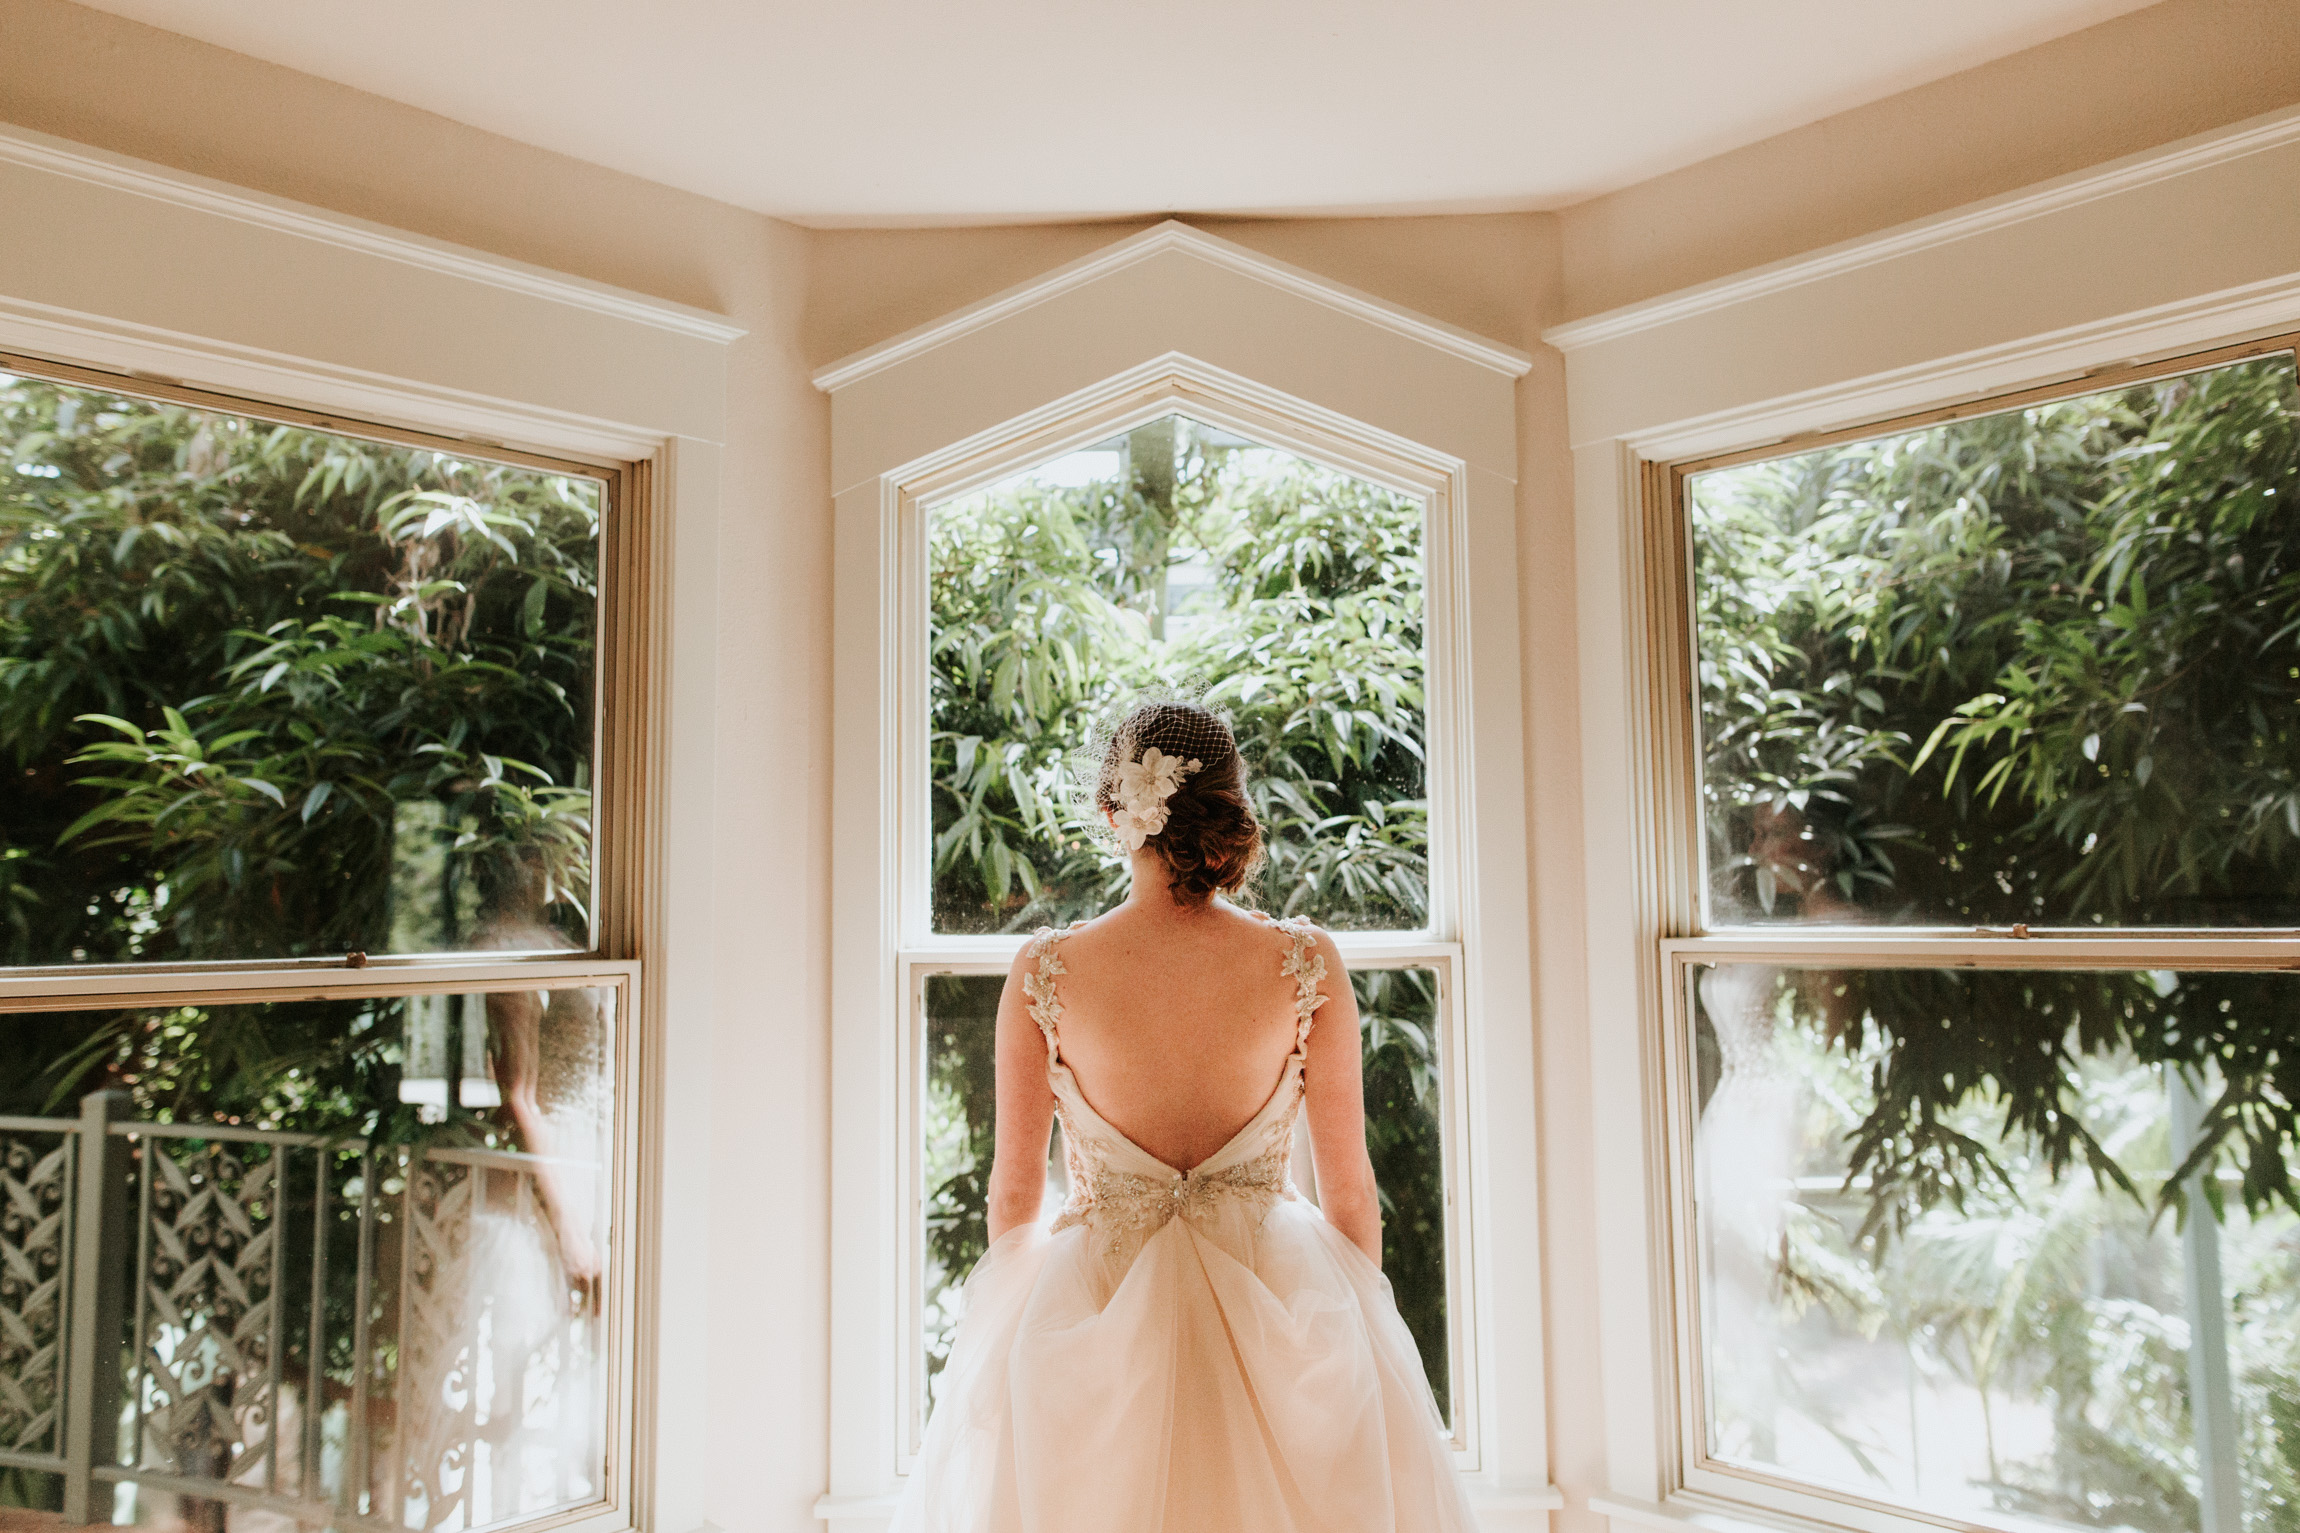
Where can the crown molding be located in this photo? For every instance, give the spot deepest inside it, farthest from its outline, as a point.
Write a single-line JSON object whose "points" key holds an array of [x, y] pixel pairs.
{"points": [[1174, 236], [2253, 136], [56, 156], [201, 362], [2165, 331]]}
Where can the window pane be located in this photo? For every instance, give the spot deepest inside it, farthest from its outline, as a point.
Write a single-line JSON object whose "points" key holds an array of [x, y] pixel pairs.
{"points": [[1401, 1036], [1179, 555], [269, 692], [1943, 1259], [958, 1136], [2036, 667], [1400, 1032], [427, 1353]]}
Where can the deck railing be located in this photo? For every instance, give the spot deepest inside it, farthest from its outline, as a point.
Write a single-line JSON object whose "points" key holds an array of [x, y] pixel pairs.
{"points": [[157, 1281]]}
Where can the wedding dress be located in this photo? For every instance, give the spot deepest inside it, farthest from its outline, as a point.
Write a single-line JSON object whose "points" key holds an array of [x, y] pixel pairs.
{"points": [[1181, 1352]]}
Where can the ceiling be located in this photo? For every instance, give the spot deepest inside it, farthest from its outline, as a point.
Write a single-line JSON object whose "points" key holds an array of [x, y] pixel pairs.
{"points": [[862, 112]]}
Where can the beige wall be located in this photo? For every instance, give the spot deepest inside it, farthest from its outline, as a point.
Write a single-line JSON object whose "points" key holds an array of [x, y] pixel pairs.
{"points": [[1493, 274], [808, 297], [2146, 78]]}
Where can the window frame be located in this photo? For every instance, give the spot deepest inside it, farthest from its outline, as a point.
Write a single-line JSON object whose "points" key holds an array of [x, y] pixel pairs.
{"points": [[628, 724], [1682, 938], [1438, 943]]}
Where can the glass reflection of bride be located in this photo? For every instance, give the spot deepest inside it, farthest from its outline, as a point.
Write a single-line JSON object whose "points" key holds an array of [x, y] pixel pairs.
{"points": [[507, 1416]]}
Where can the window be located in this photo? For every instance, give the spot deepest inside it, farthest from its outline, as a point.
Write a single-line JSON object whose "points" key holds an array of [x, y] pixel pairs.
{"points": [[1178, 407], [1291, 595], [315, 1047], [1983, 1106]]}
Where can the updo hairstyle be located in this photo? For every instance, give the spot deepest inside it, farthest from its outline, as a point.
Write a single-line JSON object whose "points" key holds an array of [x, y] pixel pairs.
{"points": [[1211, 841]]}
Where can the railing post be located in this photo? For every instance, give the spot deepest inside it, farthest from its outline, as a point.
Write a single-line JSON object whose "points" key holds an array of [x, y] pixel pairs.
{"points": [[99, 1306], [2211, 1389]]}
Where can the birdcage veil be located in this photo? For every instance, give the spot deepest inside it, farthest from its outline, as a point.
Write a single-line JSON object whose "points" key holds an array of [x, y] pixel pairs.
{"points": [[1175, 719]]}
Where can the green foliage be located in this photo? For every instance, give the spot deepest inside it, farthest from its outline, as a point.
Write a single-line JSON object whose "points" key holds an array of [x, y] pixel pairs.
{"points": [[2039, 668], [233, 655], [960, 1134], [1020, 631], [1051, 603], [1397, 1012], [1319, 655]]}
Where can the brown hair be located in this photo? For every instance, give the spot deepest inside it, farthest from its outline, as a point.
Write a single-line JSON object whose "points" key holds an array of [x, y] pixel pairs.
{"points": [[1211, 840]]}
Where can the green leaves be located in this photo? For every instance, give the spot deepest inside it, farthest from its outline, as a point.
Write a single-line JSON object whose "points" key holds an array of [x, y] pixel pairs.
{"points": [[1302, 608], [2035, 668], [237, 659]]}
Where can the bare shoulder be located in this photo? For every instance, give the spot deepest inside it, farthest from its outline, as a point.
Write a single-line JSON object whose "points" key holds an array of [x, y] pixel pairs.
{"points": [[1223, 935], [1257, 932]]}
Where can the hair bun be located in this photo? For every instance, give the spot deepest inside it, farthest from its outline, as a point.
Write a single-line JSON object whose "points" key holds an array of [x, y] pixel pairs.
{"points": [[1211, 841]]}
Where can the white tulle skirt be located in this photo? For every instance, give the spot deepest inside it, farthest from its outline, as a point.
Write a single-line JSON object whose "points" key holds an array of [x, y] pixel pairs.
{"points": [[1242, 1373]]}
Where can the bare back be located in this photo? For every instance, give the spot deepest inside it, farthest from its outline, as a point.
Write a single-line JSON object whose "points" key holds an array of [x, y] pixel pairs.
{"points": [[1177, 1027], [1177, 1032]]}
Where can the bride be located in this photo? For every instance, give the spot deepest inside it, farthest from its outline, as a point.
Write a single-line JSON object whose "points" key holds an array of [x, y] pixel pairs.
{"points": [[1188, 1346]]}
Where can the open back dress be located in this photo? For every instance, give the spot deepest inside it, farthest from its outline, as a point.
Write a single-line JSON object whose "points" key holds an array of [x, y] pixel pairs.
{"points": [[1182, 1351]]}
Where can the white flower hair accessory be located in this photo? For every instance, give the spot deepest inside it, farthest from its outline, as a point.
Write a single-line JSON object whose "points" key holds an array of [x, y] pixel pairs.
{"points": [[1119, 737], [1143, 788]]}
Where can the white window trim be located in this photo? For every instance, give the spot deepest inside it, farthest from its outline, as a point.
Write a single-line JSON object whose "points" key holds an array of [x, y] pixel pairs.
{"points": [[1174, 321], [163, 276], [1180, 386], [2088, 273]]}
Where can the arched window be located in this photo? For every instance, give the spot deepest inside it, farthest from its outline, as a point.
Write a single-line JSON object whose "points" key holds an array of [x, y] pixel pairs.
{"points": [[1176, 464]]}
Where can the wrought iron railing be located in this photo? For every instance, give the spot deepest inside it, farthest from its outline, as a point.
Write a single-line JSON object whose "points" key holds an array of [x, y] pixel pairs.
{"points": [[157, 1280]]}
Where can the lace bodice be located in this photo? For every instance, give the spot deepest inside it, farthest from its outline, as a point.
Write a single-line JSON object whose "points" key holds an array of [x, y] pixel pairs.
{"points": [[1120, 1190]]}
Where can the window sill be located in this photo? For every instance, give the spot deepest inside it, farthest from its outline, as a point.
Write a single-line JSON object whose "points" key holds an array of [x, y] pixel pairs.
{"points": [[1686, 1515], [1496, 1509]]}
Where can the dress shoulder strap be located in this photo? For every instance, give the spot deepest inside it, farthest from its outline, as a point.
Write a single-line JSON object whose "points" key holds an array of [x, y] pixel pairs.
{"points": [[1038, 984], [1308, 967]]}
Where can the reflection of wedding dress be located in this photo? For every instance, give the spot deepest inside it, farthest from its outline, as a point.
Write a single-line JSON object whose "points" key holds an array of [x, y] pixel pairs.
{"points": [[538, 1376], [503, 1414], [1181, 1352]]}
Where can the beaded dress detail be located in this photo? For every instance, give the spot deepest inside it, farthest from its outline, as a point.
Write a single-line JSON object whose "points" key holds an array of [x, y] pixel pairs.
{"points": [[1181, 1350]]}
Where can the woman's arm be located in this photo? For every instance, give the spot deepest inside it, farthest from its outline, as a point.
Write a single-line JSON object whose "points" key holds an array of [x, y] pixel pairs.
{"points": [[1335, 1099], [516, 1021], [1025, 1109]]}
